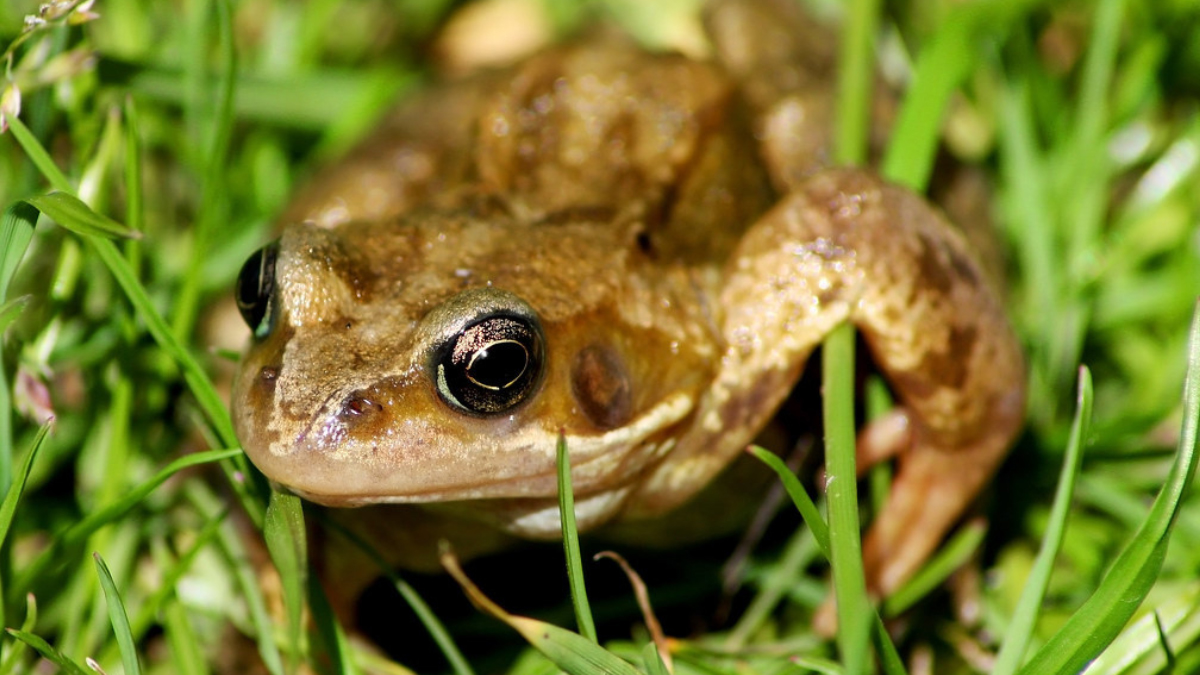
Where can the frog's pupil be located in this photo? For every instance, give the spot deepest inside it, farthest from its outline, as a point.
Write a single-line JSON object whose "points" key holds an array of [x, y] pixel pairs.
{"points": [[498, 365]]}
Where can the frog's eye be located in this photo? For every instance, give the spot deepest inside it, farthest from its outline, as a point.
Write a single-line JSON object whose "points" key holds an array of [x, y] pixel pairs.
{"points": [[256, 289], [491, 365]]}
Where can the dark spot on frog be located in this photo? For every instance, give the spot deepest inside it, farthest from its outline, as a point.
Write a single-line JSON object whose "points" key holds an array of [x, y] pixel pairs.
{"points": [[949, 367], [578, 214], [932, 266], [963, 266], [645, 244], [600, 383]]}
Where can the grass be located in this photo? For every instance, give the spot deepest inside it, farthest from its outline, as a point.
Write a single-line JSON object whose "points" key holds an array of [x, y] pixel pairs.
{"points": [[173, 132]]}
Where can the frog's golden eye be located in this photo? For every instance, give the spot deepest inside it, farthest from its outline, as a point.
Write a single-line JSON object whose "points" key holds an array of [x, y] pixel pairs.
{"points": [[255, 289], [491, 365]]}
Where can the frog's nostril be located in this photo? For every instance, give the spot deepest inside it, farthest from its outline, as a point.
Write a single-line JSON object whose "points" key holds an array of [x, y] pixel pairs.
{"points": [[359, 404]]}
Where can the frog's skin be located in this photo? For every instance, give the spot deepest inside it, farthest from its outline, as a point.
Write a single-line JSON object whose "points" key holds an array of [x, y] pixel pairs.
{"points": [[664, 251]]}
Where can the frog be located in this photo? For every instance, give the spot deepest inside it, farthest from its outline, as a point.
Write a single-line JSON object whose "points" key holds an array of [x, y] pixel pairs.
{"points": [[632, 252]]}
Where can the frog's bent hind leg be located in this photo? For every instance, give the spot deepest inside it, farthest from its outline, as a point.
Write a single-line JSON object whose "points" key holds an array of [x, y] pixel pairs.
{"points": [[847, 246]]}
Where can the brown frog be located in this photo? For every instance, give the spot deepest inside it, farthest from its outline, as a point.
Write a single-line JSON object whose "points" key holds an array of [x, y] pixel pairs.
{"points": [[637, 251]]}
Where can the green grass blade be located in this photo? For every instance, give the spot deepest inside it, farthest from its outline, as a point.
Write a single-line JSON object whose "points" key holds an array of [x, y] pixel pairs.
{"points": [[458, 663], [941, 67], [246, 577], [9, 312], [283, 529], [187, 653], [51, 654], [40, 158], [804, 504], [854, 609], [113, 511], [1140, 649], [78, 217], [150, 607], [197, 380], [855, 74], [79, 532], [652, 660], [572, 652], [889, 659], [1020, 629], [16, 231], [948, 559], [818, 665], [12, 497], [12, 655], [337, 650], [8, 507], [118, 617], [1101, 618], [570, 533]]}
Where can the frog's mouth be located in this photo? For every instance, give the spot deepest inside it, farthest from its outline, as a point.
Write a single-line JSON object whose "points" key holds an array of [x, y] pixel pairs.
{"points": [[415, 460]]}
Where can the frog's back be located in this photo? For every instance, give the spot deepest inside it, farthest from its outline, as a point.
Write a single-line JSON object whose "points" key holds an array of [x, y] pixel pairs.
{"points": [[597, 130]]}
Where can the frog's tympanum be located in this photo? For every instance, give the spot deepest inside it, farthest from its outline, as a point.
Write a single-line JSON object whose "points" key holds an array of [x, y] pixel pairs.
{"points": [[637, 251]]}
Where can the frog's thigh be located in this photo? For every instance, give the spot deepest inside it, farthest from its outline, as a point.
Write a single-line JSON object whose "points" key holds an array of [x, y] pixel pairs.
{"points": [[847, 245]]}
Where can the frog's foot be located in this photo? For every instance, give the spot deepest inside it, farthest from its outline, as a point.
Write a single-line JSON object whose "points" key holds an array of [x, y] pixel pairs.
{"points": [[932, 489]]}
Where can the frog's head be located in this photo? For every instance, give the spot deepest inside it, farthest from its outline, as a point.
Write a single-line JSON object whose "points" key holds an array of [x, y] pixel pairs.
{"points": [[441, 360]]}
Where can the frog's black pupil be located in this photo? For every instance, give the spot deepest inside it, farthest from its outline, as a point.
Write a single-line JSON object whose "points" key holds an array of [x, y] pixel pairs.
{"points": [[491, 365], [255, 289], [498, 365]]}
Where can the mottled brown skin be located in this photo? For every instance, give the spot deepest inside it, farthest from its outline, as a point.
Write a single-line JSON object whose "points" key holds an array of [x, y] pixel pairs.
{"points": [[682, 272]]}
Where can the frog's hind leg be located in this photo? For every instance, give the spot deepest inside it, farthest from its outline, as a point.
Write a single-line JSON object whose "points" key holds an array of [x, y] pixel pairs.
{"points": [[847, 246]]}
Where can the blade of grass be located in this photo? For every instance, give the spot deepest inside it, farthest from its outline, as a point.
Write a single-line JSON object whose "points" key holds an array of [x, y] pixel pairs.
{"points": [[63, 208], [79, 532], [949, 558], [118, 617], [16, 231], [855, 73], [214, 143], [429, 620], [1105, 613], [337, 650], [149, 609], [201, 387], [652, 662], [941, 67], [1141, 645], [570, 533], [12, 656], [804, 504], [1020, 628], [40, 158], [572, 652], [283, 529], [853, 607], [9, 506], [187, 654], [247, 578], [51, 654]]}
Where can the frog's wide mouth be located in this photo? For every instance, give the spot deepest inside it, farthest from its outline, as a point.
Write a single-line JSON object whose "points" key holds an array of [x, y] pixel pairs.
{"points": [[427, 464]]}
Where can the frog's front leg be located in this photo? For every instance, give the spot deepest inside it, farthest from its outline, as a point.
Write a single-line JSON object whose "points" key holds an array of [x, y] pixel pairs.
{"points": [[847, 246]]}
